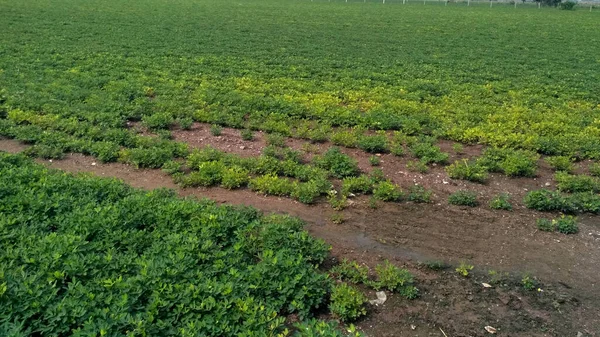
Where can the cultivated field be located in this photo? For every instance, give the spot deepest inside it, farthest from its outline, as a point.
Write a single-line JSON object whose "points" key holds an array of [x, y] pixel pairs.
{"points": [[460, 143]]}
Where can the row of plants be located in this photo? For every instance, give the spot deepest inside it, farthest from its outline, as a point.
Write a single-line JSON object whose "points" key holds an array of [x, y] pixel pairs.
{"points": [[89, 256]]}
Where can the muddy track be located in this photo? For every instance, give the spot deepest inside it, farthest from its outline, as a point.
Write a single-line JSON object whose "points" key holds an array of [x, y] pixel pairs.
{"points": [[486, 238]]}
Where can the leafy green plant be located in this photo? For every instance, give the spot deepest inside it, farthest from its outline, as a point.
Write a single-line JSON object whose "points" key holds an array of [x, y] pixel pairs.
{"points": [[567, 224], [194, 253], [458, 148], [345, 138], [234, 177], [429, 153], [387, 191], [513, 163], [185, 123], [417, 166], [374, 161], [419, 194], [337, 218], [347, 302], [576, 183], [560, 163], [501, 201], [339, 164], [351, 271], [276, 139], [395, 279], [172, 167], [336, 202], [216, 130], [546, 225], [528, 282], [373, 143], [463, 198], [436, 265], [465, 170], [464, 269], [317, 328], [247, 134], [595, 169], [158, 121]]}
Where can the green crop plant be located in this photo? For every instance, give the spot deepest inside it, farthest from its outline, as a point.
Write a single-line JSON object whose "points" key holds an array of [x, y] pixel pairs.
{"points": [[419, 194], [463, 198], [465, 170], [339, 164], [428, 153], [347, 302], [216, 130], [351, 271], [387, 191], [464, 269], [374, 160], [502, 202], [395, 279], [560, 163], [377, 143], [566, 182], [417, 166], [100, 245], [513, 163]]}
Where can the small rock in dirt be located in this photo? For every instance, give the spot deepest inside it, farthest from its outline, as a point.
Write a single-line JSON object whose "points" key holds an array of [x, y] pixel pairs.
{"points": [[486, 285], [547, 184], [93, 164], [445, 182], [242, 147], [381, 298], [579, 334], [412, 326], [490, 329]]}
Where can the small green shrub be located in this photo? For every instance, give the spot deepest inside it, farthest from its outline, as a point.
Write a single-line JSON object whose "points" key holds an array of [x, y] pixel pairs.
{"points": [[276, 139], [216, 130], [545, 201], [429, 153], [158, 121], [164, 134], [345, 138], [208, 174], [564, 224], [417, 166], [199, 156], [339, 164], [567, 225], [387, 191], [595, 169], [545, 225], [347, 302], [106, 152], [373, 143], [336, 202], [501, 201], [320, 133], [419, 194], [465, 170], [560, 163], [247, 134], [351, 272], [513, 163], [528, 282], [463, 198], [172, 167], [395, 279], [374, 161], [464, 269], [337, 218], [234, 177], [307, 192], [360, 184], [185, 123], [377, 175], [576, 183], [272, 185], [396, 149], [458, 148], [153, 157]]}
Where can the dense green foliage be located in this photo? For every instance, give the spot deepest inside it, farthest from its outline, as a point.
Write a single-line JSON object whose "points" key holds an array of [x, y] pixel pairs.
{"points": [[463, 198], [554, 201], [501, 201], [87, 256], [564, 224], [75, 74], [347, 302]]}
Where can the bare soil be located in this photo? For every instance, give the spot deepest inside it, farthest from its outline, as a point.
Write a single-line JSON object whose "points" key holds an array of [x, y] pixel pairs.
{"points": [[407, 233]]}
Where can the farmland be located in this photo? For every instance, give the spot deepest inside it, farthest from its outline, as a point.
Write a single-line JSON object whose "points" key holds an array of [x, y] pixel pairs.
{"points": [[436, 132]]}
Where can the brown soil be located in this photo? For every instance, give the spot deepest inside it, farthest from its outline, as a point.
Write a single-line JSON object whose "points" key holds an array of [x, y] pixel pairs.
{"points": [[408, 233]]}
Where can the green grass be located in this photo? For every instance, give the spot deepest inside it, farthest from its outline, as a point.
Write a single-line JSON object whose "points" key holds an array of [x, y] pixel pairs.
{"points": [[520, 77]]}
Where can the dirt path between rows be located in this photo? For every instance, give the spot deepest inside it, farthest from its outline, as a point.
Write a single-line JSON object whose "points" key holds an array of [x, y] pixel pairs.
{"points": [[486, 238]]}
